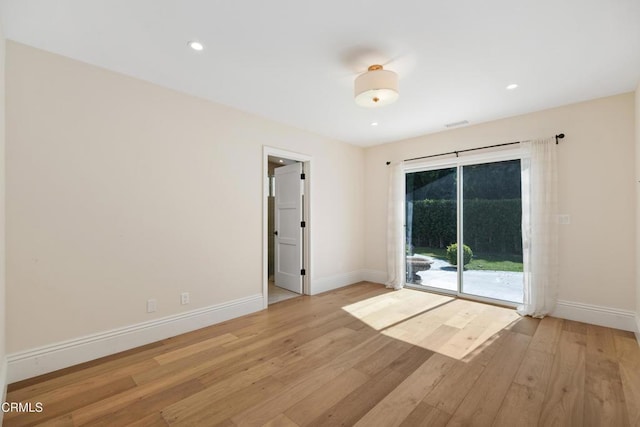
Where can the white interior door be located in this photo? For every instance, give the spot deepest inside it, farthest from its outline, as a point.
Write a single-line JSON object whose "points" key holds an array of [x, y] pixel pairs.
{"points": [[288, 227]]}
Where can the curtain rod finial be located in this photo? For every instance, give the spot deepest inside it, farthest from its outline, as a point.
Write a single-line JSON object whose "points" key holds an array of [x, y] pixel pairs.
{"points": [[388, 163]]}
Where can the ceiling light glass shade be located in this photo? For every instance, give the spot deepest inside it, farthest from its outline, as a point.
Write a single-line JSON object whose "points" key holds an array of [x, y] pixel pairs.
{"points": [[376, 87]]}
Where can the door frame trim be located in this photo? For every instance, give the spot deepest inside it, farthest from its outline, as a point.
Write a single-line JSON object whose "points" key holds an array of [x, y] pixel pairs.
{"points": [[306, 245]]}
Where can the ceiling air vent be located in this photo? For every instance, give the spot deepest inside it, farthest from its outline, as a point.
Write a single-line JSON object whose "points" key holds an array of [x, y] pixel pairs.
{"points": [[456, 124]]}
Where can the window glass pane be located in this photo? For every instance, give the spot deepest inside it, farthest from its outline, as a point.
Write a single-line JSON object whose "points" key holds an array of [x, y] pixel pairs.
{"points": [[492, 231], [431, 227]]}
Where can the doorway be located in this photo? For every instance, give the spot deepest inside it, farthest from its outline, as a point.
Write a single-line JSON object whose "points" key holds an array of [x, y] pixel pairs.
{"points": [[463, 229], [286, 219]]}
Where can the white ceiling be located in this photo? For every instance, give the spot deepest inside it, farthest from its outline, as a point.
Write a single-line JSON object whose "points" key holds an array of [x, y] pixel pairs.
{"points": [[294, 61]]}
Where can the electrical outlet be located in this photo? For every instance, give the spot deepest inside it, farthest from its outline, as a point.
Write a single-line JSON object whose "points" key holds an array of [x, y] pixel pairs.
{"points": [[564, 219], [184, 298], [151, 305]]}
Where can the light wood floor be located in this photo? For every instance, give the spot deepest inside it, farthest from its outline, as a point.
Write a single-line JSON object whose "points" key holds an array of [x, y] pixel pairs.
{"points": [[362, 356]]}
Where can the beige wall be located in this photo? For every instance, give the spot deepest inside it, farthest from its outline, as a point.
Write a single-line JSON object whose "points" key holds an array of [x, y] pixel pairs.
{"points": [[2, 218], [596, 161], [119, 191]]}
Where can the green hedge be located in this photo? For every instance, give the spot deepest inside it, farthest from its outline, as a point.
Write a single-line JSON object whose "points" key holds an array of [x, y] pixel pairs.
{"points": [[492, 226]]}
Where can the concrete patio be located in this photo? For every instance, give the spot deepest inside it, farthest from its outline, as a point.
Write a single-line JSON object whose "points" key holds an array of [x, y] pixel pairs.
{"points": [[501, 285]]}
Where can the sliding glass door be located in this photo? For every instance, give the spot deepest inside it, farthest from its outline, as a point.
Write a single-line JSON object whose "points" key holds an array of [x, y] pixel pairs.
{"points": [[463, 230]]}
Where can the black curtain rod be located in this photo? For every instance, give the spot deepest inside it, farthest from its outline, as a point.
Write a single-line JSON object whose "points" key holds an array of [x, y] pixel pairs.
{"points": [[558, 137]]}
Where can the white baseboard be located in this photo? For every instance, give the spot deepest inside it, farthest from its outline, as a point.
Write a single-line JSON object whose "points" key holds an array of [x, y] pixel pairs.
{"points": [[637, 331], [374, 276], [41, 360], [596, 315], [325, 284]]}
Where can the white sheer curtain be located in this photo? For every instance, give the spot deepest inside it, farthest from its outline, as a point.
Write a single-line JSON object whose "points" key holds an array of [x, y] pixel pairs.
{"points": [[395, 229], [539, 227]]}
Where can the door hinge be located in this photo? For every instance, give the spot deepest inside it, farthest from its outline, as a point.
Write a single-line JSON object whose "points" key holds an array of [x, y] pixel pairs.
{"points": [[303, 224], [303, 272], [302, 175]]}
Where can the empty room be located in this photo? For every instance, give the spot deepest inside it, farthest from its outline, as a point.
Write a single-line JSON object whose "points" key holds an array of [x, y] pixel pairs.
{"points": [[337, 213]]}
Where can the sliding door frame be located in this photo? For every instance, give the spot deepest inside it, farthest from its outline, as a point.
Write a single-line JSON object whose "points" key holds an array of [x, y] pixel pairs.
{"points": [[459, 162]]}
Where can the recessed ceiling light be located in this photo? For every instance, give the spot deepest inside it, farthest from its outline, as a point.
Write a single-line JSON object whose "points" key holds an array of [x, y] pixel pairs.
{"points": [[512, 86], [454, 124], [195, 45], [281, 161], [374, 123]]}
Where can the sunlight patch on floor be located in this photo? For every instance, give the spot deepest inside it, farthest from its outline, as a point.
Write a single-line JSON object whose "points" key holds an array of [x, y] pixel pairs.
{"points": [[384, 311], [453, 327]]}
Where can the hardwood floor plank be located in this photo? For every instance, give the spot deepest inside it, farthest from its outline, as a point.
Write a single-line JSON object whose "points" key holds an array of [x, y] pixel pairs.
{"points": [[400, 402], [151, 420], [604, 402], [217, 391], [148, 405], [535, 370], [564, 398], [201, 364], [573, 326], [625, 334], [297, 391], [72, 374], [409, 361], [403, 305], [281, 421], [320, 353], [599, 340], [465, 315], [425, 415], [547, 335], [482, 403], [357, 403], [439, 337], [189, 350], [521, 407], [525, 325], [353, 406], [415, 329], [628, 355], [203, 413], [362, 355], [451, 391], [486, 324], [381, 359], [56, 405], [325, 397], [54, 389], [61, 421], [486, 351], [324, 347]]}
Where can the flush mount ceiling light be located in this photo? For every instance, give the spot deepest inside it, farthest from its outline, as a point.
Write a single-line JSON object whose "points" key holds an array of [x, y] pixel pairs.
{"points": [[512, 86], [376, 87]]}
